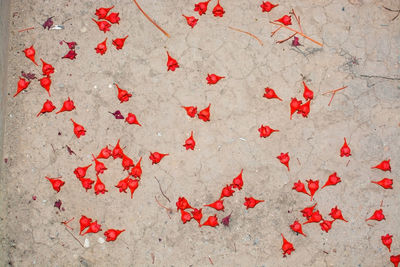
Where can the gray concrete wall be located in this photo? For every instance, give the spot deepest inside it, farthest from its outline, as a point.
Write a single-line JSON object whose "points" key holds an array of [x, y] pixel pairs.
{"points": [[4, 14]]}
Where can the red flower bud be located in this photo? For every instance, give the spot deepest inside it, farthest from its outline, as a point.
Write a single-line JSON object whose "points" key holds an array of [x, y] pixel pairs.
{"points": [[68, 105], [56, 183], [78, 129], [119, 42], [47, 107], [99, 166], [172, 64], [238, 181], [285, 20], [284, 159], [103, 25], [336, 214], [123, 95], [227, 191], [218, 10], [204, 114], [307, 212], [191, 21], [80, 172], [112, 234], [287, 247], [294, 106], [267, 6], [47, 69], [30, 53], [86, 183], [300, 187], [133, 184], [102, 47], [384, 166], [190, 143], [313, 187], [84, 223], [332, 180], [314, 218], [307, 94], [22, 85], [94, 227], [266, 131], [99, 187], [201, 7], [102, 12], [117, 151], [213, 79], [123, 185], [182, 204], [190, 111], [113, 18], [377, 216], [185, 216], [105, 153], [250, 202], [387, 240], [156, 157], [326, 225], [197, 215], [137, 170], [385, 183], [270, 93], [345, 150], [211, 221], [296, 227], [218, 205]]}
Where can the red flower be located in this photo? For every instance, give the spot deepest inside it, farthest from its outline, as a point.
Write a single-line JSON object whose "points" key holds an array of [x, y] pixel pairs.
{"points": [[213, 79], [103, 25], [201, 7], [47, 107], [78, 129], [56, 183], [250, 202], [345, 150], [119, 42], [191, 21], [112, 234], [205, 114], [172, 64], [190, 143], [267, 6], [156, 157], [286, 20], [101, 47], [218, 10], [266, 131], [22, 85]]}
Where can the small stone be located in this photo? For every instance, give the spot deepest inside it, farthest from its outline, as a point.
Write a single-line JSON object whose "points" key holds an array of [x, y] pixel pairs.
{"points": [[101, 240], [86, 244], [110, 85], [83, 29]]}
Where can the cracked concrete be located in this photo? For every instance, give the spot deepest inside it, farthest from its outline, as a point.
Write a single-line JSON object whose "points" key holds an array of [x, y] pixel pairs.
{"points": [[361, 50]]}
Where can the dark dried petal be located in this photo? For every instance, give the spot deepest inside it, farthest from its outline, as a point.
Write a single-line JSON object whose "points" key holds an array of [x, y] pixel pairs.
{"points": [[295, 41], [70, 151], [71, 45], [58, 204], [117, 114], [71, 55], [28, 76], [48, 23], [225, 221]]}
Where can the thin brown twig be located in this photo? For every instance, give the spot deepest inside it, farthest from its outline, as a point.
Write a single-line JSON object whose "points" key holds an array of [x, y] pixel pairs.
{"points": [[336, 90], [300, 33], [212, 263], [298, 161], [169, 210], [152, 21], [66, 223], [74, 237], [248, 33], [348, 163], [398, 12], [27, 29], [272, 33], [284, 40], [159, 185], [333, 93], [297, 18]]}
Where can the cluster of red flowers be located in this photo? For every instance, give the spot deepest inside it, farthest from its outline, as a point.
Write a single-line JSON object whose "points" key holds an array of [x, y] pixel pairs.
{"points": [[182, 204], [94, 227], [103, 22]]}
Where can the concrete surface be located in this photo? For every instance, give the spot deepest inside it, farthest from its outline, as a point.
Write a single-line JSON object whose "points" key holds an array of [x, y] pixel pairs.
{"points": [[361, 50], [4, 15]]}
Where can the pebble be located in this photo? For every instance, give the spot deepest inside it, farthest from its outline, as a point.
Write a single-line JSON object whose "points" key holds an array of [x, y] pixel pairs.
{"points": [[87, 243], [110, 85], [101, 240], [83, 29]]}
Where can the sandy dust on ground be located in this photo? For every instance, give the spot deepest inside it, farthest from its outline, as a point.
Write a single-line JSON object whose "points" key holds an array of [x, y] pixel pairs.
{"points": [[360, 50]]}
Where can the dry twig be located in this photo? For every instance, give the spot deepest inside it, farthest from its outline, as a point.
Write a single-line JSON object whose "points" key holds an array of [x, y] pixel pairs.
{"points": [[333, 92], [152, 21], [248, 33], [159, 185]]}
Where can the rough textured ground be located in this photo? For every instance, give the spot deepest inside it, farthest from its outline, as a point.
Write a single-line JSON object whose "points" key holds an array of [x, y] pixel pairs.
{"points": [[361, 50]]}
